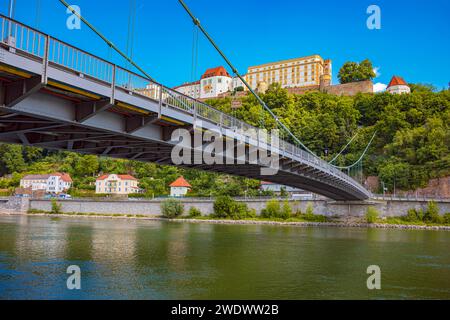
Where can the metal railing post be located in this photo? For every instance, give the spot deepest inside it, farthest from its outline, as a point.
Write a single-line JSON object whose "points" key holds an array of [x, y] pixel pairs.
{"points": [[160, 101], [195, 116], [113, 84], [45, 60]]}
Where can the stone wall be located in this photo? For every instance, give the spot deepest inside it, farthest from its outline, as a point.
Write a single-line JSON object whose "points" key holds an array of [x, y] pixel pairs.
{"points": [[350, 89], [347, 89], [436, 188], [153, 208], [439, 188], [13, 205]]}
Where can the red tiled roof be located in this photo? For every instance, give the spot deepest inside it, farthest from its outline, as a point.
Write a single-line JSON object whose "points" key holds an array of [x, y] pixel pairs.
{"points": [[66, 178], [216, 72], [265, 183], [397, 81], [180, 183], [121, 176]]}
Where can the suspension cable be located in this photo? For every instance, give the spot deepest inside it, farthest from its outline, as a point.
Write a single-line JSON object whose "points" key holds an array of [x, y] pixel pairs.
{"points": [[362, 156], [109, 43], [236, 72], [345, 148], [194, 65], [38, 13]]}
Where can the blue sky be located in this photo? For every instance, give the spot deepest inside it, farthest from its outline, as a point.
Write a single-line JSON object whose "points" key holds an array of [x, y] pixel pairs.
{"points": [[413, 41]]}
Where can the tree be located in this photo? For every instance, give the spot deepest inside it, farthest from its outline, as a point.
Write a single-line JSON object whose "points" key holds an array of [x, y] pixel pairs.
{"points": [[353, 72], [11, 159]]}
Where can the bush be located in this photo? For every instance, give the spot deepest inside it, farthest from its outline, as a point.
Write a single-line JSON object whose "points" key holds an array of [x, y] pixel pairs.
{"points": [[56, 207], [372, 215], [413, 216], [432, 213], [172, 208], [272, 209], [286, 211], [446, 218], [194, 212], [227, 207], [309, 215]]}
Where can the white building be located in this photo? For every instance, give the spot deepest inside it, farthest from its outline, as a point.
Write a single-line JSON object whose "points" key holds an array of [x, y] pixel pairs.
{"points": [[398, 86], [214, 82], [55, 183], [180, 188], [305, 72], [191, 89]]}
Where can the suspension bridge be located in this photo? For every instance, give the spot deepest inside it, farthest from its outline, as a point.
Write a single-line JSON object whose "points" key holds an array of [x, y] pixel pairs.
{"points": [[59, 97]]}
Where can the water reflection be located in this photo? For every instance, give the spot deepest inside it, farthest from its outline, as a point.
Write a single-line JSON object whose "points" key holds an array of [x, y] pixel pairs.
{"points": [[155, 260]]}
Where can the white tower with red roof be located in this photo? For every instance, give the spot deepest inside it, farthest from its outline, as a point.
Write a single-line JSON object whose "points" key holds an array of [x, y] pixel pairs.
{"points": [[398, 86]]}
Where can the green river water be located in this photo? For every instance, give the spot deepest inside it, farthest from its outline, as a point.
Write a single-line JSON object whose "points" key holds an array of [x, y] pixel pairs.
{"points": [[127, 259]]}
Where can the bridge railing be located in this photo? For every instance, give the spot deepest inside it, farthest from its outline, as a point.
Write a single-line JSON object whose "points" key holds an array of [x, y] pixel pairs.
{"points": [[31, 41], [22, 37], [77, 60]]}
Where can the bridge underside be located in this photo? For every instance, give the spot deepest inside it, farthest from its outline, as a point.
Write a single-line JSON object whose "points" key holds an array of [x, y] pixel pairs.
{"points": [[56, 116]]}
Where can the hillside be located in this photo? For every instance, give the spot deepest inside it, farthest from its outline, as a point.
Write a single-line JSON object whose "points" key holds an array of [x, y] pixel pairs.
{"points": [[411, 146]]}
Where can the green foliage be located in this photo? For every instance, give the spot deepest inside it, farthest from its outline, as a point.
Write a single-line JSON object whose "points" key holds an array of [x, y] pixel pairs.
{"points": [[429, 216], [226, 207], [286, 210], [194, 212], [274, 210], [172, 208], [411, 147], [372, 215], [432, 214], [446, 218], [353, 72], [414, 215], [56, 207]]}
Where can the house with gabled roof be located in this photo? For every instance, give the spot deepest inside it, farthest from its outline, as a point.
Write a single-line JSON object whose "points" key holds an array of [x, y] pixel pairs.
{"points": [[117, 184], [180, 188], [54, 183]]}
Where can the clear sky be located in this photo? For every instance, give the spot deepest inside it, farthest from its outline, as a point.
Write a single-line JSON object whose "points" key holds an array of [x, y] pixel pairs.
{"points": [[414, 40]]}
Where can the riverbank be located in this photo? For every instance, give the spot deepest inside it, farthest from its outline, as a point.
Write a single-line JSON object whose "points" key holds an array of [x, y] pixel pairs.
{"points": [[256, 221]]}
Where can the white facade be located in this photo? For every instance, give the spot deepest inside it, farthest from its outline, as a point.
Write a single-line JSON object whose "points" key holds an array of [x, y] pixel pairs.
{"points": [[178, 191], [237, 83], [54, 183], [190, 89], [400, 89], [215, 86]]}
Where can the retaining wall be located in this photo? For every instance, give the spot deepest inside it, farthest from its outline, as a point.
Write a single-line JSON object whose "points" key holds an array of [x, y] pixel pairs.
{"points": [[153, 208]]}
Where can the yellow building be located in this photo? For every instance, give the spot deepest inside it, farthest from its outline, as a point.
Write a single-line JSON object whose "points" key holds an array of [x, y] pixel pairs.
{"points": [[119, 184], [294, 73]]}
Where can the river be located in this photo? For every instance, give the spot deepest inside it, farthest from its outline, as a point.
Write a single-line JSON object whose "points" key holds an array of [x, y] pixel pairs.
{"points": [[136, 259]]}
